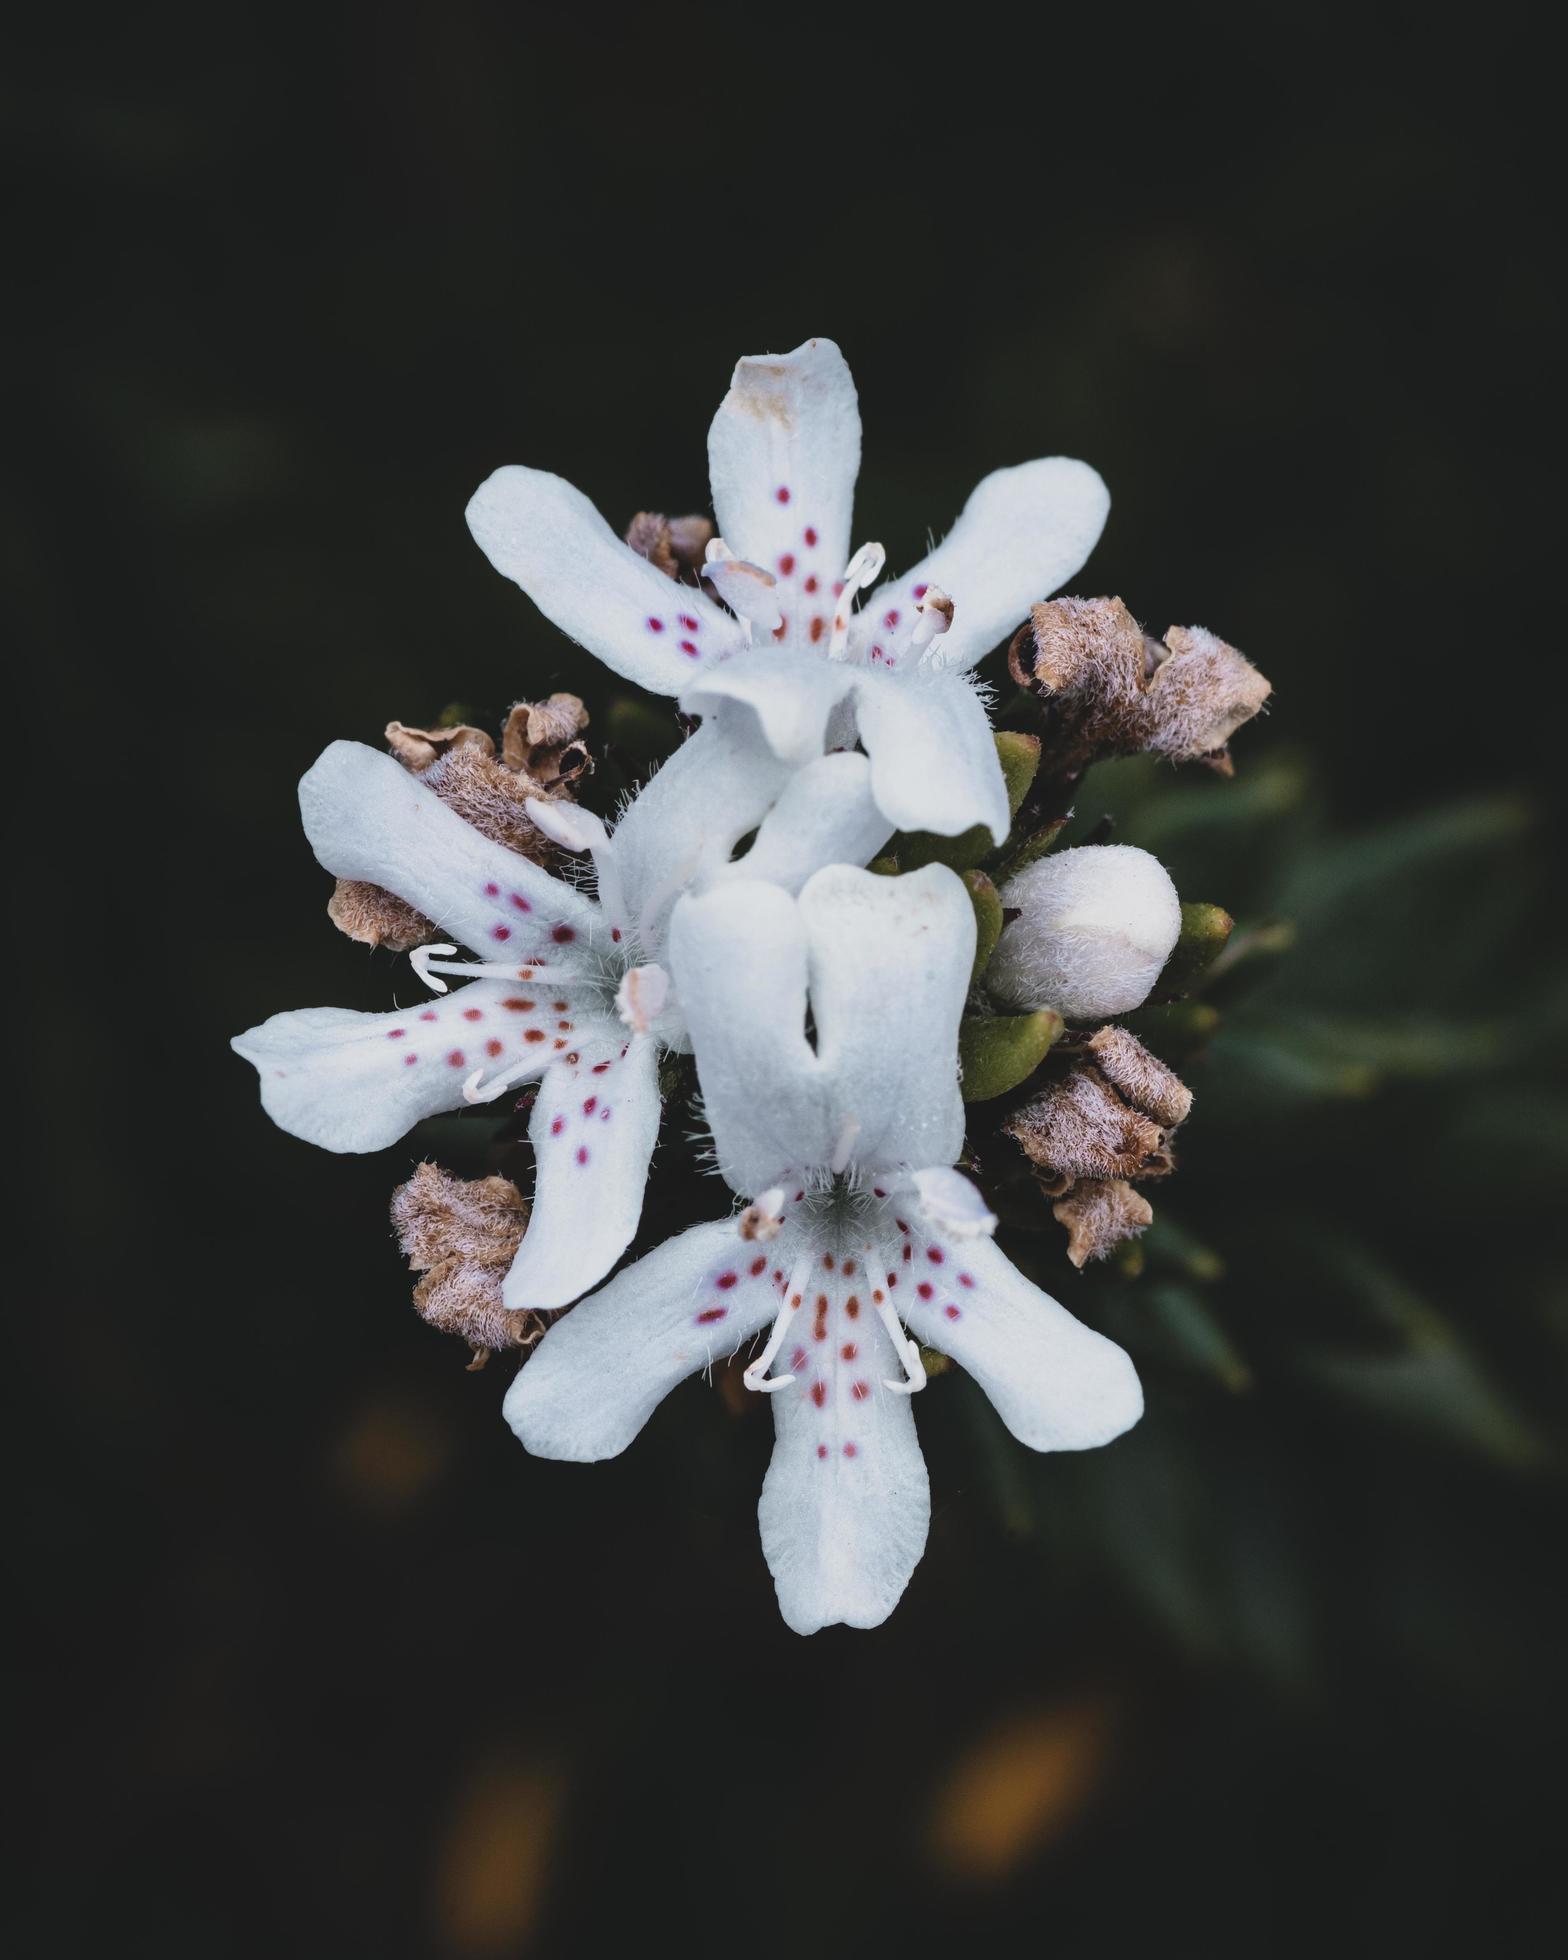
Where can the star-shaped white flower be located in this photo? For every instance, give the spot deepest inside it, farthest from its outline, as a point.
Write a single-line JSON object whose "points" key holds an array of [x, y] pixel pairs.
{"points": [[563, 986], [857, 1229], [784, 451]]}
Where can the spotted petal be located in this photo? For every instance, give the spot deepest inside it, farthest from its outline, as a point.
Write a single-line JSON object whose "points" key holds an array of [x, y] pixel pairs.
{"points": [[1023, 533], [544, 535], [887, 962], [846, 1502], [352, 1081], [783, 454], [602, 1370], [593, 1130], [1057, 1384], [367, 817], [793, 696]]}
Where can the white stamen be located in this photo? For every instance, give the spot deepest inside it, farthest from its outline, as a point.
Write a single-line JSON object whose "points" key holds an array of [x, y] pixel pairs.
{"points": [[845, 1145], [748, 591], [424, 961], [640, 998], [754, 1376], [908, 1353], [567, 824], [864, 569], [498, 1084], [762, 1218], [936, 616]]}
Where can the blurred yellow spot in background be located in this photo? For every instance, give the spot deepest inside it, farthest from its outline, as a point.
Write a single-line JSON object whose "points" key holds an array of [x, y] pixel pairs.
{"points": [[1017, 1789], [494, 1858], [389, 1455]]}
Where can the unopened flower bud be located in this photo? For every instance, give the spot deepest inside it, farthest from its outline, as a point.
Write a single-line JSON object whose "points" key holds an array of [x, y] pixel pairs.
{"points": [[1141, 1078], [1094, 927]]}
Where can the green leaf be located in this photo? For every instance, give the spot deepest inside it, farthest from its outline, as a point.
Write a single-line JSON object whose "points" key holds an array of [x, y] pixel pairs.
{"points": [[998, 1051], [986, 900], [1204, 932], [1032, 849]]}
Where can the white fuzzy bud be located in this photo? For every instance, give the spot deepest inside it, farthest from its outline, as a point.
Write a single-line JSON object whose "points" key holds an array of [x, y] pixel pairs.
{"points": [[1095, 926]]}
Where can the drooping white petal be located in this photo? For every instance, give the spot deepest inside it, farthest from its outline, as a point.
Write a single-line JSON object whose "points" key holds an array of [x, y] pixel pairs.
{"points": [[688, 818], [888, 961], [601, 1371], [952, 1203], [367, 817], [933, 758], [545, 535], [793, 696], [1057, 1384], [846, 1503], [351, 1081], [593, 1130], [783, 454], [1095, 927], [1022, 534], [826, 815]]}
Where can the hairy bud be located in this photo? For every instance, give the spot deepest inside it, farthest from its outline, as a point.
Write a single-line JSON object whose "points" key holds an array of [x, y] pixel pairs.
{"points": [[1142, 1079], [1095, 925]]}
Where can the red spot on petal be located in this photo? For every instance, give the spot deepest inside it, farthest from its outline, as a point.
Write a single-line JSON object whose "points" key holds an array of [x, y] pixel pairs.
{"points": [[818, 627], [725, 1281], [757, 1266], [688, 622], [935, 1254], [710, 1314], [921, 591], [819, 1393], [590, 1106], [503, 933], [599, 1068], [534, 1034], [822, 1450], [819, 1331], [615, 934], [811, 584], [879, 1296], [951, 1312], [520, 903], [849, 1268], [827, 1262], [557, 1126], [655, 625], [582, 1153], [492, 891], [851, 1450], [559, 1006], [787, 563], [852, 1306], [563, 935], [799, 1360], [455, 1058], [473, 1014], [811, 534], [689, 646], [409, 1060], [428, 1015], [396, 1034], [908, 1255], [849, 1350], [493, 1047], [860, 1391], [925, 1289], [517, 1005], [890, 619], [966, 1279], [782, 493]]}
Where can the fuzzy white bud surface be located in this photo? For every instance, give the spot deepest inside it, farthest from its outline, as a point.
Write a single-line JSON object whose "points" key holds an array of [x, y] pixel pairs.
{"points": [[1095, 926]]}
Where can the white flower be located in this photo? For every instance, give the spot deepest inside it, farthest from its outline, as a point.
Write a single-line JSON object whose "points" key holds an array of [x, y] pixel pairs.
{"points": [[857, 1229], [784, 451], [1095, 927], [564, 986]]}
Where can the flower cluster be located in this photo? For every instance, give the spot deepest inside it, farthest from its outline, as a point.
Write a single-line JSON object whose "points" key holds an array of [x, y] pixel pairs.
{"points": [[797, 911]]}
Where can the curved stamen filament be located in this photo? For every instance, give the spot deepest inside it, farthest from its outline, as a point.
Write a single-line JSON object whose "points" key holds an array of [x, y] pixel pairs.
{"points": [[755, 1375], [864, 569], [428, 961], [908, 1352], [477, 1090]]}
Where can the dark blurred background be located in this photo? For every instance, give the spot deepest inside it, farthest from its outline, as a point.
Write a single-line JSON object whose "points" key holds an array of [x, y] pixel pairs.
{"points": [[311, 1656]]}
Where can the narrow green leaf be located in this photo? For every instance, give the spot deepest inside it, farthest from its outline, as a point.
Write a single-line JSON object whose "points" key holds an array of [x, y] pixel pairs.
{"points": [[997, 1052], [986, 900]]}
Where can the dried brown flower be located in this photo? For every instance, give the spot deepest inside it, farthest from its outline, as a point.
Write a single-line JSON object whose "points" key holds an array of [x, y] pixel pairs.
{"points": [[462, 1235], [417, 748], [1142, 1078], [540, 740], [674, 544], [1080, 1127], [1099, 1214], [1120, 691]]}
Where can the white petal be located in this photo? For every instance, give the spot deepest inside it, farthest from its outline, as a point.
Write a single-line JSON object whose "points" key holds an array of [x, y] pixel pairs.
{"points": [[600, 1372], [933, 758], [544, 535], [826, 815], [793, 696], [846, 1503], [688, 818], [1057, 1384], [1022, 534], [888, 961], [351, 1081], [367, 817], [783, 454], [952, 1205], [593, 1130]]}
